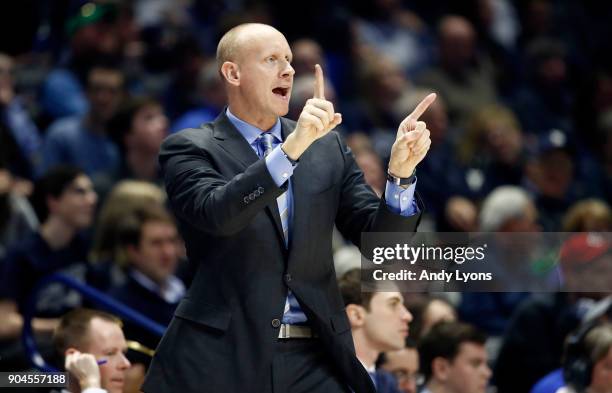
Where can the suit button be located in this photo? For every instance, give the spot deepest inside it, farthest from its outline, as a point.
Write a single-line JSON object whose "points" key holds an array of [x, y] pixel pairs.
{"points": [[251, 196], [288, 278], [276, 323], [261, 190]]}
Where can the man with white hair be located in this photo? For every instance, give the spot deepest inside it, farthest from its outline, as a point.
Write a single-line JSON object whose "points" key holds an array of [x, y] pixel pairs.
{"points": [[508, 209]]}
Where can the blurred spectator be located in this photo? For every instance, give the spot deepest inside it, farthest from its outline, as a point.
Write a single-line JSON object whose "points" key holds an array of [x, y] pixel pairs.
{"points": [[369, 162], [535, 335], [125, 197], [587, 360], [379, 322], [93, 36], [16, 119], [508, 209], [551, 173], [546, 100], [213, 99], [138, 128], [382, 82], [306, 54], [453, 359], [85, 338], [387, 27], [428, 313], [66, 202], [148, 249], [82, 140], [17, 218], [185, 60], [589, 215], [492, 151], [403, 364], [463, 77]]}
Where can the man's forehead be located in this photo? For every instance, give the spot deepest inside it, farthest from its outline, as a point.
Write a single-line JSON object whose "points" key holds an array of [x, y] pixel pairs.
{"points": [[258, 37]]}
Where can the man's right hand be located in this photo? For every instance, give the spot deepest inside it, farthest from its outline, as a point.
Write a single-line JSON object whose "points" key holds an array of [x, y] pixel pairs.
{"points": [[316, 120], [85, 368]]}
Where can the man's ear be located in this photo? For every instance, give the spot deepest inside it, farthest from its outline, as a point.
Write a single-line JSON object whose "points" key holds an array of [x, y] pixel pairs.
{"points": [[440, 368], [231, 73], [356, 315]]}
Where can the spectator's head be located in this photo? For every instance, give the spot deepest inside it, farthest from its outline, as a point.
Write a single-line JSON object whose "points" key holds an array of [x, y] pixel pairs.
{"points": [[254, 62], [210, 86], [589, 215], [379, 320], [104, 91], [457, 42], [306, 53], [547, 61], [495, 132], [139, 126], [100, 334], [586, 263], [435, 116], [125, 197], [149, 241], [436, 310], [508, 209], [404, 365], [66, 194], [369, 162], [383, 82], [587, 362], [551, 169], [453, 359], [7, 81], [93, 31]]}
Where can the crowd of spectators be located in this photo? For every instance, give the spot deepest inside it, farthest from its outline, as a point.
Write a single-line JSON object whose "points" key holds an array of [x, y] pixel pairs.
{"points": [[521, 141]]}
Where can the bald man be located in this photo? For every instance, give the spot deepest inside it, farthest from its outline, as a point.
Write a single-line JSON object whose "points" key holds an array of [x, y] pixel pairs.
{"points": [[256, 197]]}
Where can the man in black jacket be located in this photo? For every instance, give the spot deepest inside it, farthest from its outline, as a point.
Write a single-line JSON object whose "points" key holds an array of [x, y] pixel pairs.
{"points": [[256, 197]]}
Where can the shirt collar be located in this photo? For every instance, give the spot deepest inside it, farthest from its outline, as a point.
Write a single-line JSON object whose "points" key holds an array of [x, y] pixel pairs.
{"points": [[250, 132], [171, 292]]}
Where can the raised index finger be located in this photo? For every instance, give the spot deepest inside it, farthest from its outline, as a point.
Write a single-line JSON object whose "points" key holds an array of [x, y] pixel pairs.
{"points": [[422, 107], [319, 85]]}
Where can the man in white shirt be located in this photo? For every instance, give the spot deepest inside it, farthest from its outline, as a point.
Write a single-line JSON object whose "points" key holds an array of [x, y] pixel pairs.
{"points": [[94, 347], [379, 322]]}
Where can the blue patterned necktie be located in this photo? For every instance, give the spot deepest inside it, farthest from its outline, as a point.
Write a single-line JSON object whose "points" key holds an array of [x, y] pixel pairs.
{"points": [[293, 313], [267, 144]]}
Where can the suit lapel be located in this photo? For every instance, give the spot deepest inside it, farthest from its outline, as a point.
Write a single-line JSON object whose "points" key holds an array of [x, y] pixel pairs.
{"points": [[234, 144]]}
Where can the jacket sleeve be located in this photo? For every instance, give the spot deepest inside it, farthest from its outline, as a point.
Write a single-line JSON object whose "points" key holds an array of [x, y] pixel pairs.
{"points": [[200, 195], [360, 210]]}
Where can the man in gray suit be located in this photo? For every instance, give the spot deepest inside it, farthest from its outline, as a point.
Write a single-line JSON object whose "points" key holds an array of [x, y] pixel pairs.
{"points": [[256, 197]]}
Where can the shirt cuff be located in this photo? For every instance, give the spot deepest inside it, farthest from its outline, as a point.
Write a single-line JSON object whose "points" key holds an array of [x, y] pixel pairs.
{"points": [[279, 166], [401, 201], [94, 390]]}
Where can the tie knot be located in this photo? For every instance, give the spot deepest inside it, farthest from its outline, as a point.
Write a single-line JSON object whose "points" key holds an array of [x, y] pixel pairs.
{"points": [[266, 140]]}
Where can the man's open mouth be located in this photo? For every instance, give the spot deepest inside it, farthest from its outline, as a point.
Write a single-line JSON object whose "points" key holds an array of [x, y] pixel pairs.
{"points": [[282, 92]]}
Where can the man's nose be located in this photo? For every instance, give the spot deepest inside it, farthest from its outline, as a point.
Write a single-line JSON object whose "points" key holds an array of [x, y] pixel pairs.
{"points": [[288, 70], [124, 363], [406, 315]]}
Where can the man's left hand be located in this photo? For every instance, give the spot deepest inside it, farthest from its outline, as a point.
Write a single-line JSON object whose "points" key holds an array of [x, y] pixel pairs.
{"points": [[412, 141]]}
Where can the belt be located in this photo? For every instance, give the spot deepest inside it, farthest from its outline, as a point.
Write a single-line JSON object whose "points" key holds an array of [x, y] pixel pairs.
{"points": [[295, 331]]}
